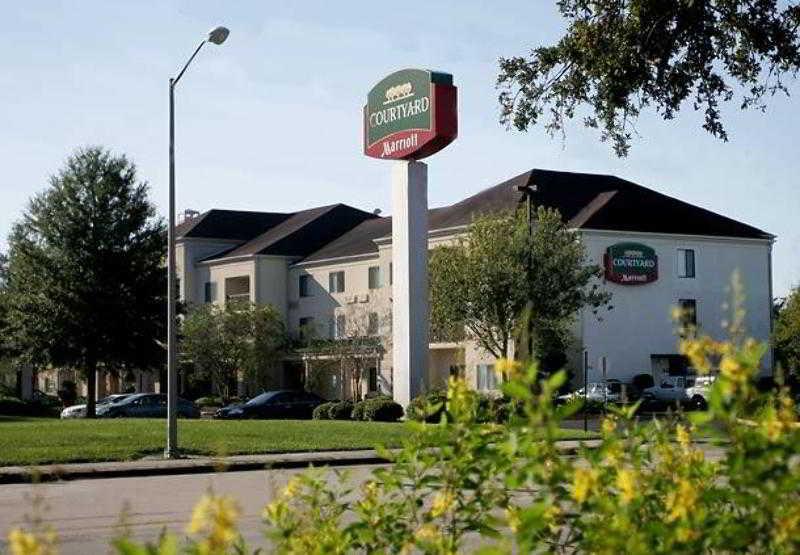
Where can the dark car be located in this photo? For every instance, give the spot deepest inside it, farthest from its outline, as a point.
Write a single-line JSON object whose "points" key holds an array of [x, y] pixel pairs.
{"points": [[274, 404], [147, 405]]}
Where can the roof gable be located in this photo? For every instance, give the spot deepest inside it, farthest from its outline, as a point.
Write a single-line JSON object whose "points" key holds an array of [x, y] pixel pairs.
{"points": [[237, 225]]}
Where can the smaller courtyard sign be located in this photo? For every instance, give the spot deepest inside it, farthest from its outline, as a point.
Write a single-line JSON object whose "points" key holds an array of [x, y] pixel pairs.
{"points": [[410, 114], [631, 264]]}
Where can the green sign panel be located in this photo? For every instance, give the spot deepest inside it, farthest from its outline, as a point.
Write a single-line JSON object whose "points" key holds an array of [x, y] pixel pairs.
{"points": [[631, 264]]}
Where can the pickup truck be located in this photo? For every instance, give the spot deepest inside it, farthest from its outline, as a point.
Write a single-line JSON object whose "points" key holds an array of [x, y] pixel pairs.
{"points": [[690, 391]]}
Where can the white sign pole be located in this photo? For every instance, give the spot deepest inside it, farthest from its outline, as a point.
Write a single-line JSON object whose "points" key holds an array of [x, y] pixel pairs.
{"points": [[409, 280]]}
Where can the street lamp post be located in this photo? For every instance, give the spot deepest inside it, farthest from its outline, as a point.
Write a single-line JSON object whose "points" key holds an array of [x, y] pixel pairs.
{"points": [[528, 190], [215, 36]]}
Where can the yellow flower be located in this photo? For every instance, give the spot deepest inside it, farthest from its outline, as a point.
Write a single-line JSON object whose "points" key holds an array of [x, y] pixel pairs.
{"points": [[609, 425], [551, 516], [442, 502], [787, 528], [686, 534], [292, 487], [682, 435], [512, 518], [25, 543], [506, 367], [215, 517], [426, 533], [626, 483], [584, 481], [613, 454], [681, 501]]}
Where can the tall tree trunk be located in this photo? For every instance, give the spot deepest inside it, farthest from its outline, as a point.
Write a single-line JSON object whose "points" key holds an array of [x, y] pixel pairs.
{"points": [[91, 387]]}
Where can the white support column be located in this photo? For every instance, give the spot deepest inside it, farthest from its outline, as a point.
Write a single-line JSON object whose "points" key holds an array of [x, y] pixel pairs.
{"points": [[410, 279]]}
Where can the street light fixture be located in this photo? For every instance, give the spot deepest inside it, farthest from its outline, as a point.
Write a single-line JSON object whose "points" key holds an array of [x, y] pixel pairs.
{"points": [[215, 36]]}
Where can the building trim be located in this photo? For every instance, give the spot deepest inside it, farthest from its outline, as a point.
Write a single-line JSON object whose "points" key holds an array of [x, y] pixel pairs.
{"points": [[242, 258], [681, 236], [336, 259]]}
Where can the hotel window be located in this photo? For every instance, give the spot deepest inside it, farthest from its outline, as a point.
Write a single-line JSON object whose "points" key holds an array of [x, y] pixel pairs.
{"points": [[688, 308], [457, 371], [237, 289], [487, 379], [341, 325], [391, 280], [373, 325], [686, 263], [375, 277], [303, 284], [336, 282], [210, 293]]}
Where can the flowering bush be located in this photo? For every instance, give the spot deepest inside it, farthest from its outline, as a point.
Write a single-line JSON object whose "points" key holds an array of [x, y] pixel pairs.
{"points": [[461, 485]]}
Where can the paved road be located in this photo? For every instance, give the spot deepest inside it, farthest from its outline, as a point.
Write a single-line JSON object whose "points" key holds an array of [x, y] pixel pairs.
{"points": [[86, 513]]}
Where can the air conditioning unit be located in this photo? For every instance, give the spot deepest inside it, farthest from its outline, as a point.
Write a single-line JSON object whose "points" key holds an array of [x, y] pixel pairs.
{"points": [[350, 299], [363, 298]]}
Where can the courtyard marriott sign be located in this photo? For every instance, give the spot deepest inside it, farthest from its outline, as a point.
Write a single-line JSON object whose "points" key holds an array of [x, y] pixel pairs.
{"points": [[410, 114], [631, 264]]}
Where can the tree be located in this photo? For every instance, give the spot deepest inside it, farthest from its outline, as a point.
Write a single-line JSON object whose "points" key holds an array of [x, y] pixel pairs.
{"points": [[362, 336], [786, 336], [480, 283], [618, 58], [5, 345], [222, 341], [86, 280]]}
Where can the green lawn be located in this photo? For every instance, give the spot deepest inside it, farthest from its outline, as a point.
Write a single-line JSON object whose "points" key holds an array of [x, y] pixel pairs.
{"points": [[25, 441]]}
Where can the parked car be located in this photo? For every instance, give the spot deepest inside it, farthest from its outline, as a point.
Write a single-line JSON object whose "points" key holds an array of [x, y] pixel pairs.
{"points": [[274, 404], [690, 391], [609, 391], [79, 411], [146, 405]]}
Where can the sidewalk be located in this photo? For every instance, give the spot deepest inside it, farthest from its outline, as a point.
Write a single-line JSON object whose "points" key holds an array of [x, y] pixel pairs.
{"points": [[199, 465]]}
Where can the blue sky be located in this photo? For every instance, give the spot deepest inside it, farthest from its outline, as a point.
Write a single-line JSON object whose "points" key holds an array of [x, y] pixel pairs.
{"points": [[271, 119]]}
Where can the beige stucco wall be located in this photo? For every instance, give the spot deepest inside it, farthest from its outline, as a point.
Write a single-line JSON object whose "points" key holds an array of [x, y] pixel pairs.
{"points": [[188, 252]]}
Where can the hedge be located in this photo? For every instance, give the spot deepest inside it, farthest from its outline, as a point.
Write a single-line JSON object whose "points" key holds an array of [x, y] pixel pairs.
{"points": [[341, 410], [322, 412], [382, 410], [13, 406], [428, 407]]}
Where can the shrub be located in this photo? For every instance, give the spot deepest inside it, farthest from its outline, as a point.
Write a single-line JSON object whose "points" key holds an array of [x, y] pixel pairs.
{"points": [[322, 412], [358, 410], [341, 410], [13, 406], [640, 382], [428, 407], [376, 395], [494, 408], [382, 410]]}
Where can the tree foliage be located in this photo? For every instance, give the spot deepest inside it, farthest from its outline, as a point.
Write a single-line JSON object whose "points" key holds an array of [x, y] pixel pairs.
{"points": [[480, 283], [619, 57], [223, 340], [86, 282], [786, 337]]}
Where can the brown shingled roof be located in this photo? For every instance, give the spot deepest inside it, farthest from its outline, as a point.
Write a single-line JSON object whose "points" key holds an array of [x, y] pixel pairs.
{"points": [[301, 233], [586, 201]]}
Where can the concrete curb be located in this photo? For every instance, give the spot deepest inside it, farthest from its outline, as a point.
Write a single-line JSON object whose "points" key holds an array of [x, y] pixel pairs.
{"points": [[201, 465]]}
